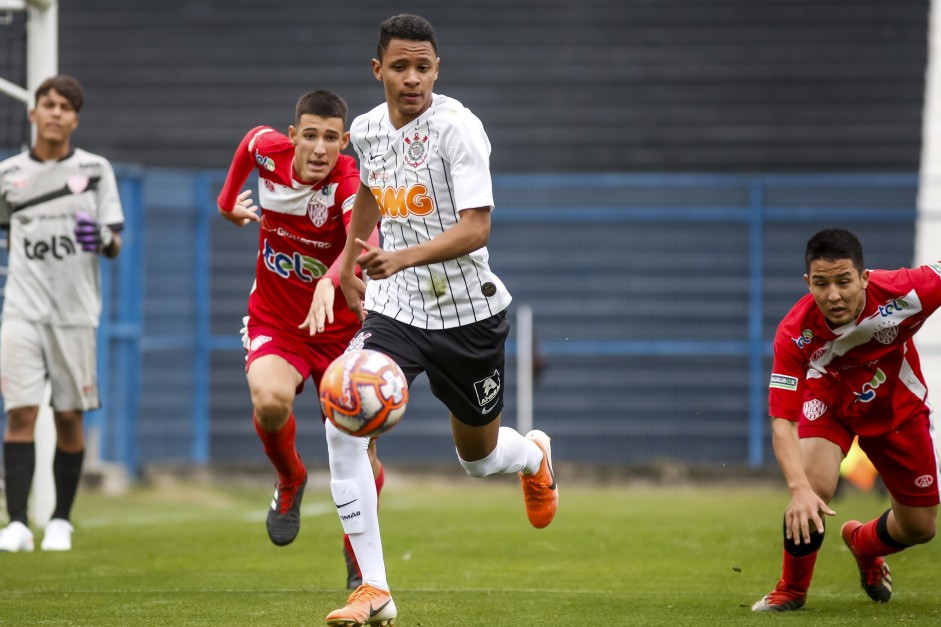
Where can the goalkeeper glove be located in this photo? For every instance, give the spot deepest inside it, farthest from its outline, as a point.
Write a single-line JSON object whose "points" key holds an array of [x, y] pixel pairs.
{"points": [[92, 237]]}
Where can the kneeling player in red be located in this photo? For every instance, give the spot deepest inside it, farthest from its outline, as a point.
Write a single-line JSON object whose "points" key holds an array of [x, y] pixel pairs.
{"points": [[845, 365]]}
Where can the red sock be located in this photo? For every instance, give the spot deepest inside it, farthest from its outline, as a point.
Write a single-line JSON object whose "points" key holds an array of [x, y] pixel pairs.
{"points": [[867, 545], [380, 480], [280, 449], [798, 571]]}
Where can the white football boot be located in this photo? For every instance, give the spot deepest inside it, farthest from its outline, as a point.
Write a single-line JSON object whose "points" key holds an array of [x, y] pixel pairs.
{"points": [[58, 536], [16, 537]]}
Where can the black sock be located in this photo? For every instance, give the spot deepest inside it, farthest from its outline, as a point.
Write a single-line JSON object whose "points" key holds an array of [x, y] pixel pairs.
{"points": [[67, 470], [19, 462]]}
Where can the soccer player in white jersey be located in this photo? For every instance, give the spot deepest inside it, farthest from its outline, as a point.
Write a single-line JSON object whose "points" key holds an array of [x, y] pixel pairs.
{"points": [[433, 303], [845, 365], [62, 209], [295, 325]]}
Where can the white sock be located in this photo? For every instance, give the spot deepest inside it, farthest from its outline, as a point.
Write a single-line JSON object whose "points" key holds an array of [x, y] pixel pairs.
{"points": [[513, 454], [350, 469]]}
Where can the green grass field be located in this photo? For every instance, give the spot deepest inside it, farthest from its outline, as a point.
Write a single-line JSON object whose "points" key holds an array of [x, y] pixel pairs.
{"points": [[456, 555]]}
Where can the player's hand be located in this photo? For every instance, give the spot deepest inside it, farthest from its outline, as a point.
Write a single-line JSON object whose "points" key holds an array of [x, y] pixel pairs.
{"points": [[321, 307], [354, 291], [376, 262], [91, 236], [244, 210], [803, 515]]}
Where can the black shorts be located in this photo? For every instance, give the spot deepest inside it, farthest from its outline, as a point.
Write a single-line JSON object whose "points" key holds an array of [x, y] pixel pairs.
{"points": [[465, 365]]}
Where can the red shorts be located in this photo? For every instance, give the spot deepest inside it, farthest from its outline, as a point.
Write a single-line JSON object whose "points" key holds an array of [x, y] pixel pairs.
{"points": [[905, 457], [308, 358]]}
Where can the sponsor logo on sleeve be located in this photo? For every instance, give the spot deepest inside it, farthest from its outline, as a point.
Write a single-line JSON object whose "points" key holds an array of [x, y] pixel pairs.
{"points": [[806, 337], [934, 265], [783, 382]]}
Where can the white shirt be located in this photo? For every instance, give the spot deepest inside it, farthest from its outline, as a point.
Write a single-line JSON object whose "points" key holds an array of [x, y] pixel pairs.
{"points": [[423, 175], [51, 279]]}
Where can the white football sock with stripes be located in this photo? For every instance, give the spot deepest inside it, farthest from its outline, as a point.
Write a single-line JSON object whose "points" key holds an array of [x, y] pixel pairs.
{"points": [[354, 493]]}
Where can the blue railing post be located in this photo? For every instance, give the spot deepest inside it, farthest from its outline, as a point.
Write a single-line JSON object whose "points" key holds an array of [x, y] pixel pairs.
{"points": [[201, 357], [756, 387], [129, 327]]}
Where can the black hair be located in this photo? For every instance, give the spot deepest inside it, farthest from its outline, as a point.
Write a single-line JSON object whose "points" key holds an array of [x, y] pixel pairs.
{"points": [[405, 26], [66, 85], [833, 244], [324, 103]]}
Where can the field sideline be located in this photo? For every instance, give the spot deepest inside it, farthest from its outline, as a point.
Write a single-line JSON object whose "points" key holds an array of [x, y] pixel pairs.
{"points": [[457, 555]]}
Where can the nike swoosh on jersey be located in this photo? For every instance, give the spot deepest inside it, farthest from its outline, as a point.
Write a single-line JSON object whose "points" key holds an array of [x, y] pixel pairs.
{"points": [[487, 410]]}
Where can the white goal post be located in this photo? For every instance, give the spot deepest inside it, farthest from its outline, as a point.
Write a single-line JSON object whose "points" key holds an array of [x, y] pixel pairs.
{"points": [[42, 61]]}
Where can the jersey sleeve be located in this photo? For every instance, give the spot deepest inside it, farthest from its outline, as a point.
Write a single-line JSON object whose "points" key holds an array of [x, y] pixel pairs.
{"points": [[241, 166], [786, 385], [110, 211], [468, 151], [926, 280]]}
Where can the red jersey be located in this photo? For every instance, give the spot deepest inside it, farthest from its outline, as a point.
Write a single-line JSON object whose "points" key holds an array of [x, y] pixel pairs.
{"points": [[866, 372], [302, 232]]}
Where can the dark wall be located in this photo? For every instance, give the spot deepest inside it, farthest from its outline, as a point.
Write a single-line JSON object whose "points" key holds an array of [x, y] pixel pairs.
{"points": [[561, 85]]}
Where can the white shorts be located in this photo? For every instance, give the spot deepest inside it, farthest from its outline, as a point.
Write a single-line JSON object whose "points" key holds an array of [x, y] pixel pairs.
{"points": [[31, 353]]}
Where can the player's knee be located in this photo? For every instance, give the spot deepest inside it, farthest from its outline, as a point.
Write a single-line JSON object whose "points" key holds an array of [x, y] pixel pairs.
{"points": [[271, 411]]}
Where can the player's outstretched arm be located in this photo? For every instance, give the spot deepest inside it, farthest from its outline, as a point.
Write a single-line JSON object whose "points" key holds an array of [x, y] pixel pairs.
{"points": [[363, 220], [470, 233], [237, 207], [243, 211], [805, 507]]}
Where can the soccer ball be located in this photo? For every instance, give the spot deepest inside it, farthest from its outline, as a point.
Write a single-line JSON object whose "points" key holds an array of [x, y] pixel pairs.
{"points": [[363, 392]]}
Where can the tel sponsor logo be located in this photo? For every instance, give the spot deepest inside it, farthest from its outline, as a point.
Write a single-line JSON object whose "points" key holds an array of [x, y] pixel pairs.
{"points": [[893, 306], [284, 265], [783, 382]]}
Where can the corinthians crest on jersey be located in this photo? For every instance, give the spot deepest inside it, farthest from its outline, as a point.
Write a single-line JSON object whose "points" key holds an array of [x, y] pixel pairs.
{"points": [[416, 150]]}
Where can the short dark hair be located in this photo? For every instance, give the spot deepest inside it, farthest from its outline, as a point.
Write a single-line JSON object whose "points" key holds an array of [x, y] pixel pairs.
{"points": [[66, 85], [405, 26], [324, 103], [833, 244]]}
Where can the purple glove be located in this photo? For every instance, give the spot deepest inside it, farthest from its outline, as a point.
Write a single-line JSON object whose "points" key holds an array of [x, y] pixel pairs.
{"points": [[92, 237]]}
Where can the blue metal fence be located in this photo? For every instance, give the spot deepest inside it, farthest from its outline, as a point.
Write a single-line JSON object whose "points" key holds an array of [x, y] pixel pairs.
{"points": [[655, 301]]}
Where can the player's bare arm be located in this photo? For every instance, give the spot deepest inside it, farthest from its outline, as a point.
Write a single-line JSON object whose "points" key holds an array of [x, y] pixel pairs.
{"points": [[471, 233], [243, 211], [803, 511], [363, 220]]}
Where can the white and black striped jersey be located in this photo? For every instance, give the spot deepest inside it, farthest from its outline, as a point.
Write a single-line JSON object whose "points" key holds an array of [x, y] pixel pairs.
{"points": [[50, 278], [422, 176]]}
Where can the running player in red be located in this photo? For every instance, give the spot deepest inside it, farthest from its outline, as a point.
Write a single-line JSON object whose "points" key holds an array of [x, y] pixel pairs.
{"points": [[295, 325], [845, 365]]}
